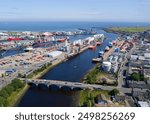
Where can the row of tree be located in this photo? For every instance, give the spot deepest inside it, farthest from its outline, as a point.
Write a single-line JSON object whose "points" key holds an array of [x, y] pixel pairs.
{"points": [[8, 90], [45, 66]]}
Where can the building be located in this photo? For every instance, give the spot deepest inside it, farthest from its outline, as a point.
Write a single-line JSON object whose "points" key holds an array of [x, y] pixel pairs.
{"points": [[53, 54], [106, 66], [143, 104], [101, 99], [120, 99]]}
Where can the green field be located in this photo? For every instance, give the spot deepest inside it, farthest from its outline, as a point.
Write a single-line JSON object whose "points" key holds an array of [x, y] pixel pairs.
{"points": [[96, 76], [129, 29], [87, 97]]}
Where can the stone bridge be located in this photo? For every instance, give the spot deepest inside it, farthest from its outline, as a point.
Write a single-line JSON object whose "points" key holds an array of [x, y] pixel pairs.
{"points": [[71, 85], [60, 84]]}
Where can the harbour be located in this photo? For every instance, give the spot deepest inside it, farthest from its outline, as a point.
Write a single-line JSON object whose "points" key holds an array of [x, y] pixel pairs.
{"points": [[74, 64], [74, 69]]}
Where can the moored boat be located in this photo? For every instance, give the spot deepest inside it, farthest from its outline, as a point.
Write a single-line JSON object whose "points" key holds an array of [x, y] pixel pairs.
{"points": [[28, 49], [92, 47], [61, 40], [107, 48], [110, 44], [101, 53]]}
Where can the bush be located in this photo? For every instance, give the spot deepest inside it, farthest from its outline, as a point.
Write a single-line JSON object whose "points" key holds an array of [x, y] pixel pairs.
{"points": [[2, 101], [114, 92], [9, 89], [3, 93], [137, 76]]}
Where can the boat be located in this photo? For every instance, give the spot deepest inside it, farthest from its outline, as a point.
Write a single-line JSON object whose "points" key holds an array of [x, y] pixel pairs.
{"points": [[40, 44], [107, 48], [28, 49], [98, 43], [92, 47], [110, 44], [101, 53], [14, 39], [61, 40], [117, 50], [96, 59], [114, 42]]}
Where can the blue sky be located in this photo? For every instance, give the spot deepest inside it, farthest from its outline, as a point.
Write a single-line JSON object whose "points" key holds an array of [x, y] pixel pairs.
{"points": [[75, 10]]}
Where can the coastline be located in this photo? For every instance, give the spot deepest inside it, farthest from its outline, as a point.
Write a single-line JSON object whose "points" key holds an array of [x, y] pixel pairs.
{"points": [[126, 30]]}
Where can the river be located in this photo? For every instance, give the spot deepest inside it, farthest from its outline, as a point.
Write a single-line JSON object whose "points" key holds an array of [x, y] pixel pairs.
{"points": [[72, 70]]}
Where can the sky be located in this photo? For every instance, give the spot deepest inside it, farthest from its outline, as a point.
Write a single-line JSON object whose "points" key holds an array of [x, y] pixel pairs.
{"points": [[75, 10]]}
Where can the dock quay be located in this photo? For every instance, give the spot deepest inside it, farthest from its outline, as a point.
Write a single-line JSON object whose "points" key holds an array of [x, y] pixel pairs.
{"points": [[111, 51]]}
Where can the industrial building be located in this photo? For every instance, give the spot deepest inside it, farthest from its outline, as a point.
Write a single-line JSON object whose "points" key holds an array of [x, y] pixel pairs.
{"points": [[53, 54], [106, 66]]}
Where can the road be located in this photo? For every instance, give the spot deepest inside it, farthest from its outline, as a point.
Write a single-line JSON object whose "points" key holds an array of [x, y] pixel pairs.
{"points": [[77, 85], [123, 67]]}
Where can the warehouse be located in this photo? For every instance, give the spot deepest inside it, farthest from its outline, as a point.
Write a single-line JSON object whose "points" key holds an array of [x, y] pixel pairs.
{"points": [[53, 54]]}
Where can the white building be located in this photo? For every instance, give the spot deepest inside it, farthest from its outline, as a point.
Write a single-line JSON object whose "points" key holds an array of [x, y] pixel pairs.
{"points": [[106, 66], [143, 104], [147, 55], [53, 54]]}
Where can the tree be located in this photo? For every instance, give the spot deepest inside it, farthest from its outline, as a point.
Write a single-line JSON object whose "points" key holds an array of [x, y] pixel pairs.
{"points": [[2, 101], [135, 76], [142, 78], [9, 89], [3, 93], [17, 83], [114, 92]]}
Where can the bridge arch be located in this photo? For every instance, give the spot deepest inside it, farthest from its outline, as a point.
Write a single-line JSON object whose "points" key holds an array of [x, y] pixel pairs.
{"points": [[42, 86], [77, 88], [66, 88], [54, 87], [33, 85]]}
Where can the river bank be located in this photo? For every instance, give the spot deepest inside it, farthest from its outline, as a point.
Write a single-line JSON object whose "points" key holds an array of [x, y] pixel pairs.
{"points": [[124, 30]]}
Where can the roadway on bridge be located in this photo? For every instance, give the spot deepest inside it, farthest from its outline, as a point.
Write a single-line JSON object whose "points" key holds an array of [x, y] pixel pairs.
{"points": [[77, 85]]}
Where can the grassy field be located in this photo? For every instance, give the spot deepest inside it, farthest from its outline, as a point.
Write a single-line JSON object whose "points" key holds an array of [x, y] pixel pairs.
{"points": [[87, 97], [129, 29], [95, 76]]}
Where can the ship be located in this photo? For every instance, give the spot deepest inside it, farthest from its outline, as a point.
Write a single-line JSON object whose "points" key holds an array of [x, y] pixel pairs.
{"points": [[40, 44], [114, 42], [96, 60], [28, 49], [101, 53], [110, 44], [61, 40], [107, 48], [92, 47], [98, 43]]}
